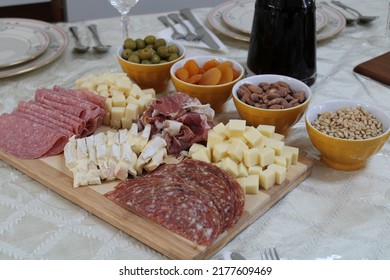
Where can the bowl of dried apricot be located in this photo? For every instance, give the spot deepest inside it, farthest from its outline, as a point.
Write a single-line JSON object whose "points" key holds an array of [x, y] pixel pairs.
{"points": [[347, 132], [274, 100], [147, 61], [208, 78]]}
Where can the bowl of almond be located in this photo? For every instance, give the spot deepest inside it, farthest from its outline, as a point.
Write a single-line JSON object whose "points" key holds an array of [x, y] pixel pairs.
{"points": [[208, 78], [347, 132]]}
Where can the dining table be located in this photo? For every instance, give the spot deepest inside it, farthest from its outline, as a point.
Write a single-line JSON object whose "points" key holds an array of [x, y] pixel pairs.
{"points": [[331, 215]]}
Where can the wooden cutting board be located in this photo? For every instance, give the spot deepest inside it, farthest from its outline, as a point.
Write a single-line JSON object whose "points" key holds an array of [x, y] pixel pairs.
{"points": [[52, 173]]}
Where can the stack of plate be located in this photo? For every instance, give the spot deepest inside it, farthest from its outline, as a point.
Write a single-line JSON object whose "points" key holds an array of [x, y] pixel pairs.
{"points": [[234, 19], [28, 44]]}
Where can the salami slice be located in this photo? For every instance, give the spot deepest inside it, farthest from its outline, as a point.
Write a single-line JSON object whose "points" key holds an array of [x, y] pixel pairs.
{"points": [[29, 140]]}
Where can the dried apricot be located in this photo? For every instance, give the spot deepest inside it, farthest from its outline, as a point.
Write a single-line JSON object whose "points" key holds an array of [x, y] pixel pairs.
{"points": [[192, 67], [225, 64], [226, 75], [210, 64], [182, 73], [194, 79], [211, 77]]}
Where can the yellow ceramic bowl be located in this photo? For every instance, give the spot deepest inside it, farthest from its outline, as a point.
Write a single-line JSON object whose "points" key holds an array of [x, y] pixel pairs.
{"points": [[282, 119], [154, 76], [215, 95], [343, 154]]}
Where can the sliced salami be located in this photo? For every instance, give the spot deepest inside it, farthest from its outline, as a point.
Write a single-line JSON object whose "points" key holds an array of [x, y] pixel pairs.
{"points": [[28, 139]]}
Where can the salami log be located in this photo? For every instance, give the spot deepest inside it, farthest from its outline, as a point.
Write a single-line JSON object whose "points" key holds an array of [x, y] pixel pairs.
{"points": [[194, 199]]}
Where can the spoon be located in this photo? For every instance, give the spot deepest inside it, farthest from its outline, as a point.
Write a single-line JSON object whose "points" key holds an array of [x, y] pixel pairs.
{"points": [[100, 48], [360, 18], [348, 20], [190, 35], [80, 48], [175, 34]]}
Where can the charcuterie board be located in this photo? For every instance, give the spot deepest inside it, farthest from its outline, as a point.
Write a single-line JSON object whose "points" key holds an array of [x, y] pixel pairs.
{"points": [[52, 173]]}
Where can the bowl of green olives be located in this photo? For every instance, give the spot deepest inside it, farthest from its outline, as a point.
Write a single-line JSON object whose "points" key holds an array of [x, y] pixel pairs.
{"points": [[148, 61]]}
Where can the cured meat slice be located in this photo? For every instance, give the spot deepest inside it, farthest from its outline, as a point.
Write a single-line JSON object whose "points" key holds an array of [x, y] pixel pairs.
{"points": [[29, 140], [175, 205], [195, 199], [84, 94]]}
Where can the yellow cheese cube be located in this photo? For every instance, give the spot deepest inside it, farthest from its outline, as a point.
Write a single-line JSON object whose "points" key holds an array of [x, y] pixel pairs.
{"points": [[242, 170], [241, 181], [253, 170], [251, 183], [277, 145], [150, 91], [266, 156], [220, 128], [267, 178], [202, 154], [194, 147], [119, 100], [87, 85], [281, 160], [123, 84], [280, 172], [126, 122], [131, 111], [266, 130], [115, 92], [220, 151], [107, 118], [253, 136], [136, 91], [214, 138], [294, 151], [229, 166], [236, 150], [116, 123], [236, 128], [102, 88], [278, 136], [108, 104], [251, 157]]}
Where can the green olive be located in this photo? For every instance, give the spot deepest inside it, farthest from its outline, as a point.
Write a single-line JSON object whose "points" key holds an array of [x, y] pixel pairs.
{"points": [[140, 43], [146, 61], [159, 42], [129, 44], [134, 58], [173, 56], [163, 51], [155, 59], [126, 53], [145, 54], [173, 49], [149, 40]]}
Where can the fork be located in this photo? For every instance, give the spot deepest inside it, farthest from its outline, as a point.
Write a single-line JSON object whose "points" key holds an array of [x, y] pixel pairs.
{"points": [[269, 254], [190, 35], [176, 34]]}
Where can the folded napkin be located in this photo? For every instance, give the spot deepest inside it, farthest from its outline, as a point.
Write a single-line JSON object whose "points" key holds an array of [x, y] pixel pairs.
{"points": [[377, 68], [167, 33]]}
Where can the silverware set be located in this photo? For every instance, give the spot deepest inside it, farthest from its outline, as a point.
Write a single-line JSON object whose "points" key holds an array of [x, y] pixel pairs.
{"points": [[267, 253], [199, 33], [356, 15], [81, 48]]}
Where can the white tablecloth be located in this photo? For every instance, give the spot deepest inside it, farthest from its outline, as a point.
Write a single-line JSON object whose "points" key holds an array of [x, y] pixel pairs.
{"points": [[331, 215]]}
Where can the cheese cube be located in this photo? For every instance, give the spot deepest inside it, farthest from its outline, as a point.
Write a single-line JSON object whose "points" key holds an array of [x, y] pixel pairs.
{"points": [[278, 136], [229, 166], [119, 100], [242, 170], [241, 181], [136, 91], [220, 128], [117, 123], [108, 104], [236, 127], [236, 149], [266, 156], [220, 151], [214, 138], [117, 113], [194, 147], [280, 172], [251, 157], [107, 118], [131, 111], [123, 84], [294, 151], [202, 154], [281, 160], [277, 145], [267, 178], [126, 122], [253, 136], [253, 170], [150, 91], [251, 184], [102, 88], [266, 130]]}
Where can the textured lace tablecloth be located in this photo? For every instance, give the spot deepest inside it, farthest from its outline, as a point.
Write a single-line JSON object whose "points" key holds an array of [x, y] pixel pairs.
{"points": [[331, 215]]}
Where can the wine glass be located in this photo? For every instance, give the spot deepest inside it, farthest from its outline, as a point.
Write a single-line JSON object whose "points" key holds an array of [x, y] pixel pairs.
{"points": [[123, 7], [383, 40]]}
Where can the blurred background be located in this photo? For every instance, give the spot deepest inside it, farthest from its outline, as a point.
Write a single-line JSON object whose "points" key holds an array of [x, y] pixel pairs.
{"points": [[78, 10]]}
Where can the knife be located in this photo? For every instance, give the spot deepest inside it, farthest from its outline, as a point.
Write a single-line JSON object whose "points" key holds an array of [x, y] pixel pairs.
{"points": [[236, 256], [199, 29]]}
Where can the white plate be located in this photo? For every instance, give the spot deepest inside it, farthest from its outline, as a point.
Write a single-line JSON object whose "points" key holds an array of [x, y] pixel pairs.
{"points": [[234, 19], [20, 44], [336, 23], [58, 41]]}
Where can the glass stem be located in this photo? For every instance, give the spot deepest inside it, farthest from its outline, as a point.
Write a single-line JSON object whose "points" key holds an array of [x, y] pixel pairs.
{"points": [[125, 21]]}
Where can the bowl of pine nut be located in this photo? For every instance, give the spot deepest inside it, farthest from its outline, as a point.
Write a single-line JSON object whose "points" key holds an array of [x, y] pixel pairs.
{"points": [[347, 132]]}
